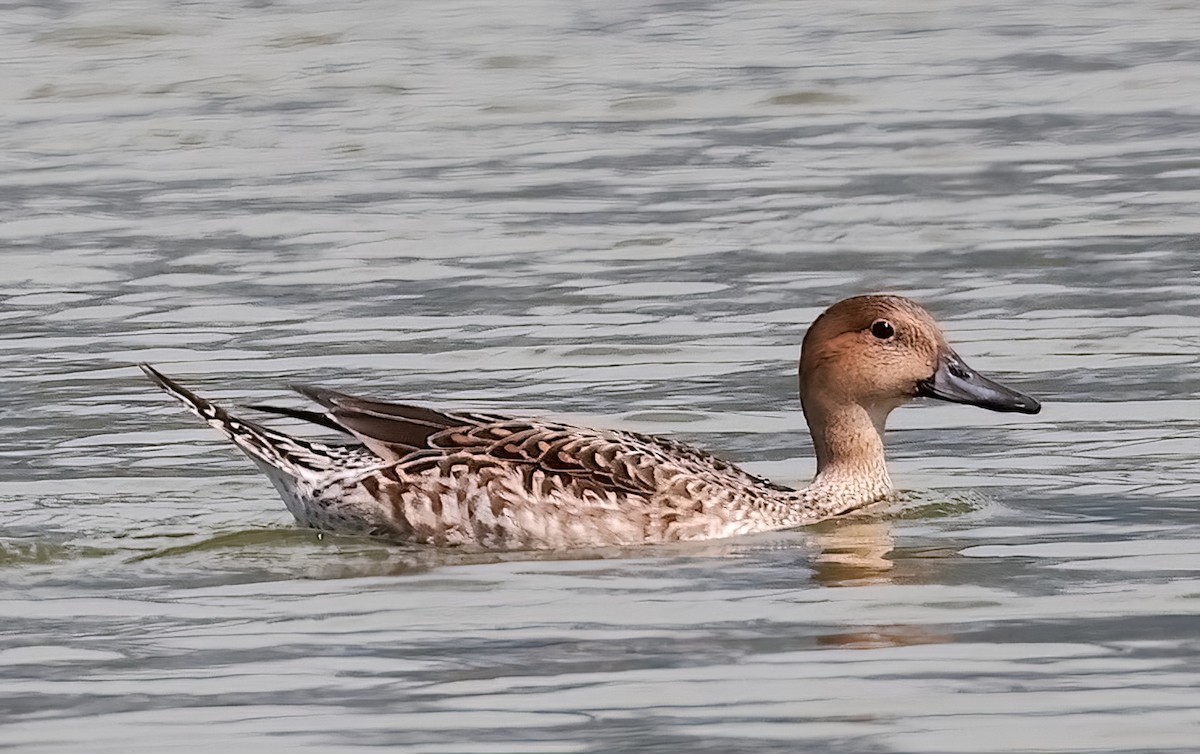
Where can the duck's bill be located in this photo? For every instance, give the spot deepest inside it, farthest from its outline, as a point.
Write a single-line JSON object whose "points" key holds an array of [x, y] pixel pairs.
{"points": [[956, 382]]}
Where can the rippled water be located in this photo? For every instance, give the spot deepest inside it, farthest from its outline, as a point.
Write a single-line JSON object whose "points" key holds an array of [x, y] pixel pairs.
{"points": [[625, 213]]}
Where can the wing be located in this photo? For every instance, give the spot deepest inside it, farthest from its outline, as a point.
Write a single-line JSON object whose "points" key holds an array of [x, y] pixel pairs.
{"points": [[418, 438], [391, 430], [702, 462]]}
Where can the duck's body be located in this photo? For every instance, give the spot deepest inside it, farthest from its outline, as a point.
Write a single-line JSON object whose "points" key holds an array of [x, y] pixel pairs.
{"points": [[492, 482], [499, 483]]}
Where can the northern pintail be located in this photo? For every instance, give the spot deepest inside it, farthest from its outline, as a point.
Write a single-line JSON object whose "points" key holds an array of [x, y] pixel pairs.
{"points": [[485, 481]]}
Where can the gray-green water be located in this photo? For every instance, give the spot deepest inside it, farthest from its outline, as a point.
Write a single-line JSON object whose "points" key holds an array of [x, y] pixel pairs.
{"points": [[626, 213]]}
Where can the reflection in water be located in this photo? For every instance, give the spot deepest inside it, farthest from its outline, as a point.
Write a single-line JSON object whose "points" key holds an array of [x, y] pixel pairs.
{"points": [[880, 637], [859, 553], [853, 553]]}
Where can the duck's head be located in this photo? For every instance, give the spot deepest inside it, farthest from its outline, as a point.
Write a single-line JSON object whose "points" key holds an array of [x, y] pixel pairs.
{"points": [[877, 352]]}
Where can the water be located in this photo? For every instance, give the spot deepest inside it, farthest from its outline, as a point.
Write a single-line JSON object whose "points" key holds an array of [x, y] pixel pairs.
{"points": [[625, 214]]}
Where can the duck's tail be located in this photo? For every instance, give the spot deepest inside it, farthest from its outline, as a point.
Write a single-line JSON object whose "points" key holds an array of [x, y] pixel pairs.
{"points": [[273, 451]]}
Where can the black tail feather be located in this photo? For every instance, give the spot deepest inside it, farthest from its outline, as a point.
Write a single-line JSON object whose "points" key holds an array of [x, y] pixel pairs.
{"points": [[316, 417]]}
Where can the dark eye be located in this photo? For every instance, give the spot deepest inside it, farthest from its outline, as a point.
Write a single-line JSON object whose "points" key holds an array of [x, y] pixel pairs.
{"points": [[882, 329]]}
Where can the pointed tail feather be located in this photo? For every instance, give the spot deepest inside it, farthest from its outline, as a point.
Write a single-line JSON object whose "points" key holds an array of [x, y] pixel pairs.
{"points": [[290, 455]]}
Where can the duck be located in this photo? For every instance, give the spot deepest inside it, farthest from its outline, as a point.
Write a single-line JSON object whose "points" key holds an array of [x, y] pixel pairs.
{"points": [[482, 481]]}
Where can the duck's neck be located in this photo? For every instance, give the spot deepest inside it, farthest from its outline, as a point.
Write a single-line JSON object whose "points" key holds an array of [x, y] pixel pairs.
{"points": [[851, 468]]}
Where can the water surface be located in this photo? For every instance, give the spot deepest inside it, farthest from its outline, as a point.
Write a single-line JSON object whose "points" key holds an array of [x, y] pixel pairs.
{"points": [[626, 214]]}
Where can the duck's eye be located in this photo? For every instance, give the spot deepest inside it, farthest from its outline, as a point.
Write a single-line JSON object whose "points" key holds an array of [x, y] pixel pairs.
{"points": [[882, 329]]}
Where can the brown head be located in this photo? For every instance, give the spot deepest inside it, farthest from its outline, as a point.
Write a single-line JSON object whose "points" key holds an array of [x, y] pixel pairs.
{"points": [[866, 355]]}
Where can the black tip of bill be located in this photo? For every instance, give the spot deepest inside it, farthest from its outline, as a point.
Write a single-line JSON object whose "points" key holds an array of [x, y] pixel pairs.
{"points": [[955, 382]]}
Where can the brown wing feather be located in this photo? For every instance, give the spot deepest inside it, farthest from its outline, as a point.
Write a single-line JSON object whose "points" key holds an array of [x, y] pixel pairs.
{"points": [[624, 461], [701, 458], [392, 430]]}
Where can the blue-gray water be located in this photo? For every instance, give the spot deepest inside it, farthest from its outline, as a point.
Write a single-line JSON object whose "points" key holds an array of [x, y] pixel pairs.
{"points": [[625, 213]]}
